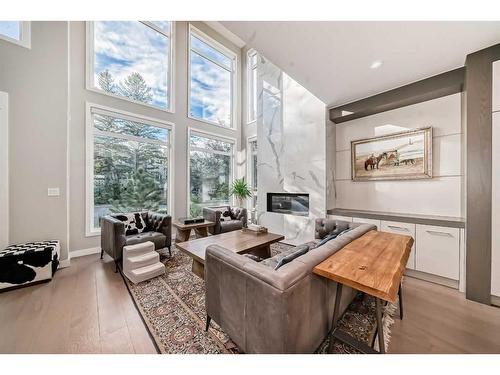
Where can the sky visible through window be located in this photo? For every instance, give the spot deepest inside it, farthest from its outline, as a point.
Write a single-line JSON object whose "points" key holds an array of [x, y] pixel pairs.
{"points": [[126, 48], [210, 83], [11, 29]]}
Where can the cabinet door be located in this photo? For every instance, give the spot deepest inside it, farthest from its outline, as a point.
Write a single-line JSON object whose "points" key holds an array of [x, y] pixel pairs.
{"points": [[401, 228], [338, 217], [438, 251], [366, 221]]}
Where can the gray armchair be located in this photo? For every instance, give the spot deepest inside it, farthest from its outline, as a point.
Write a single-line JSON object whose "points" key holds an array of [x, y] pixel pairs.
{"points": [[226, 218], [114, 237]]}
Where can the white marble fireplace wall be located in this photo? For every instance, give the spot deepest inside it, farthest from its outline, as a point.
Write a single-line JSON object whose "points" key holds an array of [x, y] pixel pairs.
{"points": [[291, 135]]}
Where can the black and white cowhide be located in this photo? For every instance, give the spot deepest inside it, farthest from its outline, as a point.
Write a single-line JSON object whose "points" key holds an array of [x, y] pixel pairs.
{"points": [[134, 223], [28, 262]]}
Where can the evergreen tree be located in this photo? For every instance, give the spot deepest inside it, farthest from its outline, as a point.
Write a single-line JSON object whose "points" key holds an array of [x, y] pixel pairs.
{"points": [[142, 192], [107, 82], [135, 87]]}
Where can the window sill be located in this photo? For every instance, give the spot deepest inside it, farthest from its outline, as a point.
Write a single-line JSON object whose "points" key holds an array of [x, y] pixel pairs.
{"points": [[212, 123], [97, 91], [93, 234]]}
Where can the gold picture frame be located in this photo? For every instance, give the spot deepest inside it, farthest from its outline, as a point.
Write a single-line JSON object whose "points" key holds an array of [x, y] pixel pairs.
{"points": [[399, 156]]}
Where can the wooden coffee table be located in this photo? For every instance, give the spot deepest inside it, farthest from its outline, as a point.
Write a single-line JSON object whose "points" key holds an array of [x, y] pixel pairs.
{"points": [[239, 241], [184, 230]]}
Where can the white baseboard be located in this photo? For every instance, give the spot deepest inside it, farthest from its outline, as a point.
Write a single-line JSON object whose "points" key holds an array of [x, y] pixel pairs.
{"points": [[432, 278], [65, 263], [495, 300], [83, 252]]}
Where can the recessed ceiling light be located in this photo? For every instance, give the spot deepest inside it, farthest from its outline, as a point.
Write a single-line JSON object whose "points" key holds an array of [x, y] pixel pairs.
{"points": [[376, 64]]}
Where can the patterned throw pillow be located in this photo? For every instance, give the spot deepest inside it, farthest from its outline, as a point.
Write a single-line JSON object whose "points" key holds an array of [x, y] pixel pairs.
{"points": [[134, 223]]}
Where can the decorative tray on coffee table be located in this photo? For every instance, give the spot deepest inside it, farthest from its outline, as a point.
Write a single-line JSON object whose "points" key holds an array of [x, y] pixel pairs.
{"points": [[256, 232]]}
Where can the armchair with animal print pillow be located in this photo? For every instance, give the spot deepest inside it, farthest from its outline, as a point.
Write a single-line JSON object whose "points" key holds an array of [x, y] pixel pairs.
{"points": [[119, 230]]}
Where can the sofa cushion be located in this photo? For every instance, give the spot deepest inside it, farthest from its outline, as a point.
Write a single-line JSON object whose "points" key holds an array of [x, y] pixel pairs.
{"points": [[285, 257], [134, 223], [230, 225], [157, 238]]}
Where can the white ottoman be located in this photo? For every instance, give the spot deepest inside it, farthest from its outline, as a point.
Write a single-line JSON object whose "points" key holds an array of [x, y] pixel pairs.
{"points": [[141, 262]]}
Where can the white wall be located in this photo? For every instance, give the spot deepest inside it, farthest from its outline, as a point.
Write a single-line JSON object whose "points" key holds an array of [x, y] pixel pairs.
{"points": [[4, 169], [495, 209], [441, 195], [36, 80]]}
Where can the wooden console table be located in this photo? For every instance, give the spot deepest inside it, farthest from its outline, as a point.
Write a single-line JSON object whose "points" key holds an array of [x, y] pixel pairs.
{"points": [[184, 230], [374, 264]]}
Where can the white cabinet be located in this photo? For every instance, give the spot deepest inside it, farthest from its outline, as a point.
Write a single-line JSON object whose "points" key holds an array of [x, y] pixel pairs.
{"points": [[338, 217], [366, 221], [401, 228], [438, 251]]}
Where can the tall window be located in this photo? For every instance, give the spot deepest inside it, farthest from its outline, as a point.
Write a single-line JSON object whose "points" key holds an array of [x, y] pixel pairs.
{"points": [[211, 171], [128, 162], [212, 72], [132, 60], [252, 85], [17, 32], [252, 145]]}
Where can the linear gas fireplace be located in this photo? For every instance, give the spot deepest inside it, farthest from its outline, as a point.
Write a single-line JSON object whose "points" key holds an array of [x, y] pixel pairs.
{"points": [[288, 203]]}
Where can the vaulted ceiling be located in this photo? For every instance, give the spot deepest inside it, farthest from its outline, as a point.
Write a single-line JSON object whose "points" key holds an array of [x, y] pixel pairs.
{"points": [[333, 59]]}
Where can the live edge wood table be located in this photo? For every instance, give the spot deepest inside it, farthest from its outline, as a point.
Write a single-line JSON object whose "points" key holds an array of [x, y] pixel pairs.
{"points": [[374, 264], [239, 241], [184, 230]]}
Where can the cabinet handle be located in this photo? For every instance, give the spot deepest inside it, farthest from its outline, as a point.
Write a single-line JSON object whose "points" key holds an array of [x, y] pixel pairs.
{"points": [[398, 228], [438, 233]]}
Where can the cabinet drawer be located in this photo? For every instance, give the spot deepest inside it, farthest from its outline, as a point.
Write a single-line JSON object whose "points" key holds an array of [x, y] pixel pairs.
{"points": [[366, 221], [438, 251], [401, 228], [338, 217]]}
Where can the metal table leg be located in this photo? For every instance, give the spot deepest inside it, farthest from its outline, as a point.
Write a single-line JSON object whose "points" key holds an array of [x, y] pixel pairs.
{"points": [[380, 328], [400, 301], [336, 312]]}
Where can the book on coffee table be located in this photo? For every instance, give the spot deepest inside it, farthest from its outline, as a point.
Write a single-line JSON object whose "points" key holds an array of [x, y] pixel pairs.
{"points": [[191, 220]]}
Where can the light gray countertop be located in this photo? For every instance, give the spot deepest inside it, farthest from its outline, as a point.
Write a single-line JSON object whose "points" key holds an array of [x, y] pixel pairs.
{"points": [[441, 221]]}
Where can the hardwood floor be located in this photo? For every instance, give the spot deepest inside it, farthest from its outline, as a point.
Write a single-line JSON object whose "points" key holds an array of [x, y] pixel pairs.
{"points": [[87, 309]]}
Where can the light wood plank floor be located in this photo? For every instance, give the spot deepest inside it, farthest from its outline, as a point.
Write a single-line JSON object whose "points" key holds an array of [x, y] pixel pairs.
{"points": [[87, 309]]}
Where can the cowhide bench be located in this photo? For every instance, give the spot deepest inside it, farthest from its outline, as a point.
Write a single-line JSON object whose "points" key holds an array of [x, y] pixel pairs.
{"points": [[28, 263]]}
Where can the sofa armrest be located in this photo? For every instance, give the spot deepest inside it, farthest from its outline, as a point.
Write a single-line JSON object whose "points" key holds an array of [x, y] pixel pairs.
{"points": [[112, 236], [214, 216]]}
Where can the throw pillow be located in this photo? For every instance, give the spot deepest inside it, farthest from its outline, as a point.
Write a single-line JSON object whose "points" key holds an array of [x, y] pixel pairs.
{"points": [[334, 234], [134, 223], [298, 251]]}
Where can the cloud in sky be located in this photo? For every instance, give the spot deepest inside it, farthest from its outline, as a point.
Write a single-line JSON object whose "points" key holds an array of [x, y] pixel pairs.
{"points": [[126, 47], [210, 91], [10, 29]]}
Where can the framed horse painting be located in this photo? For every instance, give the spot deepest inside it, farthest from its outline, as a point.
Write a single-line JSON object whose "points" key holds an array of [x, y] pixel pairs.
{"points": [[399, 156]]}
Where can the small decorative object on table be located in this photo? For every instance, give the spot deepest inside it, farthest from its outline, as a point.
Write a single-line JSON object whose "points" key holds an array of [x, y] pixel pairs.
{"points": [[191, 220], [254, 228]]}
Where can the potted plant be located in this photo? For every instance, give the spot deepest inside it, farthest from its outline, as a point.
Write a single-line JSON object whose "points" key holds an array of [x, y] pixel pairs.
{"points": [[240, 190]]}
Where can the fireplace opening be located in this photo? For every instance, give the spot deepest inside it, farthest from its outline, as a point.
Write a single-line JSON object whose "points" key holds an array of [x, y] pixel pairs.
{"points": [[288, 203]]}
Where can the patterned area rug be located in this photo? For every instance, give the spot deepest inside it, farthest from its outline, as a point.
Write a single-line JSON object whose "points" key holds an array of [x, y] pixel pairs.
{"points": [[173, 309]]}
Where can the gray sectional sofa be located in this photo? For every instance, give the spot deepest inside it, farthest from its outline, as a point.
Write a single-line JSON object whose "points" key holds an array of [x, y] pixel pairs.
{"points": [[288, 310]]}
